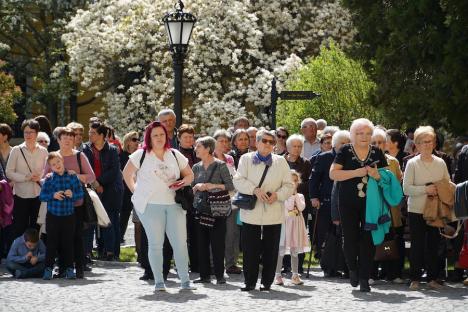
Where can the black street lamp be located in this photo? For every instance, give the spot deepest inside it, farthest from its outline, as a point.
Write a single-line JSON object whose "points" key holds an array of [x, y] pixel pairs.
{"points": [[179, 27]]}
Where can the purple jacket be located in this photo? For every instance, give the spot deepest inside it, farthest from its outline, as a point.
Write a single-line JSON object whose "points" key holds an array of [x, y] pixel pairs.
{"points": [[6, 204]]}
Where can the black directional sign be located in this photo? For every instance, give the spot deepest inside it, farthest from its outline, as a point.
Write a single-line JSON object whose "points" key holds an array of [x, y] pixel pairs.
{"points": [[297, 95]]}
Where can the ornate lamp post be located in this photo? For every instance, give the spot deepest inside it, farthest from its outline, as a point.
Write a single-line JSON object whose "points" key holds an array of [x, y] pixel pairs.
{"points": [[179, 27]]}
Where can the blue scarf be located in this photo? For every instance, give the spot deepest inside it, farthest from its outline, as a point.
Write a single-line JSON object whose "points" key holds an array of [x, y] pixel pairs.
{"points": [[258, 159]]}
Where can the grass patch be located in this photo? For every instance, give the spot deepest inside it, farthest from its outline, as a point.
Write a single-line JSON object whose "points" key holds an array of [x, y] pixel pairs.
{"points": [[128, 254]]}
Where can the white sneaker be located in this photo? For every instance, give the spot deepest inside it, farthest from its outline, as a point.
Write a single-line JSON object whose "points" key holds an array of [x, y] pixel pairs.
{"points": [[279, 280]]}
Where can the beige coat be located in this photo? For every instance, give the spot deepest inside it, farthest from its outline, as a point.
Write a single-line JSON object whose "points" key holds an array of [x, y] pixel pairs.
{"points": [[278, 179], [439, 209]]}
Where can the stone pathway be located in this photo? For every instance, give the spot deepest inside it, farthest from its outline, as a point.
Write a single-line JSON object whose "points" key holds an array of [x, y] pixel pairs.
{"points": [[116, 287]]}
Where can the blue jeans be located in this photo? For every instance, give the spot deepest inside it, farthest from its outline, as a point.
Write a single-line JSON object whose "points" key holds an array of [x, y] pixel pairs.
{"points": [[171, 219], [27, 269]]}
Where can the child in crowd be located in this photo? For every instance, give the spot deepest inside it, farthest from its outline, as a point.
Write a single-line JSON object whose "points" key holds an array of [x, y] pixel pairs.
{"points": [[27, 255], [294, 239], [60, 191]]}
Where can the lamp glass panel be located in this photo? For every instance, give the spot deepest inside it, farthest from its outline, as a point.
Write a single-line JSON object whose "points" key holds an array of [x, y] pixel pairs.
{"points": [[175, 29]]}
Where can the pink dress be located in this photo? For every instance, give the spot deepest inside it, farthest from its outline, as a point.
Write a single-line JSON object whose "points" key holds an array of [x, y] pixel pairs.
{"points": [[294, 239]]}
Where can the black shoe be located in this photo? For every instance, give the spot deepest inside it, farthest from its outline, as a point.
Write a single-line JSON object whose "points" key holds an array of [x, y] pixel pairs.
{"points": [[79, 273], [220, 281], [202, 281], [364, 285], [248, 288], [109, 257], [88, 260], [353, 278], [87, 268], [265, 288], [165, 277], [146, 276]]}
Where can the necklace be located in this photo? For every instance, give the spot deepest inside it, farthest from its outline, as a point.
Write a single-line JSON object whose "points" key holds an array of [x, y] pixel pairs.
{"points": [[356, 157]]}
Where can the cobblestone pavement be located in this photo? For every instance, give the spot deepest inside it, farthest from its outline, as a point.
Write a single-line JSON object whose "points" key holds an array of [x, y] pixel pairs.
{"points": [[116, 287]]}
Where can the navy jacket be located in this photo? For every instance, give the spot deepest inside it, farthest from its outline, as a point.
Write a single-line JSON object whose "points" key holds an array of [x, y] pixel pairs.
{"points": [[320, 184], [111, 177]]}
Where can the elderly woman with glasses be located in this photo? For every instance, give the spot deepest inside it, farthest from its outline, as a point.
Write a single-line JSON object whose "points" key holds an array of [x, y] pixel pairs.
{"points": [[421, 172], [353, 165], [43, 139], [262, 225]]}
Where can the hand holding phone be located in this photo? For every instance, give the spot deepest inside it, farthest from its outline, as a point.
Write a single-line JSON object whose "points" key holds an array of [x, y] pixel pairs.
{"points": [[176, 185]]}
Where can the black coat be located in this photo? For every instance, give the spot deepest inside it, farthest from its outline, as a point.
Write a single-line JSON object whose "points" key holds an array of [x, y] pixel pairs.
{"points": [[461, 170], [111, 176], [320, 184]]}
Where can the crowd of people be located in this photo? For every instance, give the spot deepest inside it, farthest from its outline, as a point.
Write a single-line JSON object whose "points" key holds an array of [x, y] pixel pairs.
{"points": [[345, 196]]}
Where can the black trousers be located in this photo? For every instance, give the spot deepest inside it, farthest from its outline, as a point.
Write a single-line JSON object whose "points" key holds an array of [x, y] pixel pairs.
{"points": [[358, 246], [25, 214], [143, 256], [425, 241], [79, 254], [60, 236], [260, 242], [214, 237], [125, 212]]}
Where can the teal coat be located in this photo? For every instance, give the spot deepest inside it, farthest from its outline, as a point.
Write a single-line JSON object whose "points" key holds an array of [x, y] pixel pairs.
{"points": [[379, 197]]}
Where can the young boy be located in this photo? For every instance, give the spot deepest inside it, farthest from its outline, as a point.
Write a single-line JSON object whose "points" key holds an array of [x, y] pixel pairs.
{"points": [[27, 255], [60, 191]]}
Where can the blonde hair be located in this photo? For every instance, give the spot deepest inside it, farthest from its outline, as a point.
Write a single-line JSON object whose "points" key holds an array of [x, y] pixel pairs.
{"points": [[423, 131], [296, 174], [53, 155], [127, 138]]}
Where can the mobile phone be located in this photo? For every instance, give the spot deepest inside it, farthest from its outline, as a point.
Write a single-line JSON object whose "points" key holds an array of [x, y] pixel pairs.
{"points": [[176, 184]]}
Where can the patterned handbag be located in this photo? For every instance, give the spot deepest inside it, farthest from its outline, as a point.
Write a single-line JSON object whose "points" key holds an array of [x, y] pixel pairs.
{"points": [[220, 203]]}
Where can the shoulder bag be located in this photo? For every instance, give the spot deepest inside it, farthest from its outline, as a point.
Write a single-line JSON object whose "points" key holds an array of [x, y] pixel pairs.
{"points": [[89, 212], [184, 195], [246, 201]]}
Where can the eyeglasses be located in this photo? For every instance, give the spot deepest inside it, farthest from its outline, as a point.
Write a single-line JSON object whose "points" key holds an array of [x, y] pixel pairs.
{"points": [[42, 141], [377, 142], [134, 139], [29, 132], [266, 141], [279, 136]]}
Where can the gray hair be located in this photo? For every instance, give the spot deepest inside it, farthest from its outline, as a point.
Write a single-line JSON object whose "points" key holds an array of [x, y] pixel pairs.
{"points": [[166, 111], [331, 130], [43, 136], [294, 137], [261, 133], [358, 124], [321, 123], [308, 121], [251, 129], [339, 136], [222, 133], [378, 132], [208, 142]]}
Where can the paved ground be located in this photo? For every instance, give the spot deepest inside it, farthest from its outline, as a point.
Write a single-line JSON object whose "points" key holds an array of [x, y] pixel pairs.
{"points": [[115, 287]]}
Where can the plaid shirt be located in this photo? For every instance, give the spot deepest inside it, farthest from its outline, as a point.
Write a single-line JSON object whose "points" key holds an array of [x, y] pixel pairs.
{"points": [[57, 183]]}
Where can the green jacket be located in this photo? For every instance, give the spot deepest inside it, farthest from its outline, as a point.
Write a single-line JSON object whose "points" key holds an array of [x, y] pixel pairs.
{"points": [[379, 197]]}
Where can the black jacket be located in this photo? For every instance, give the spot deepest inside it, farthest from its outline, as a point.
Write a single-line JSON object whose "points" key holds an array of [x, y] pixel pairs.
{"points": [[461, 170], [320, 184], [111, 176]]}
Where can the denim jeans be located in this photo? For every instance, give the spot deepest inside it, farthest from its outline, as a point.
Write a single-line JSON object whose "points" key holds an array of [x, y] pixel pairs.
{"points": [[170, 219], [27, 269]]}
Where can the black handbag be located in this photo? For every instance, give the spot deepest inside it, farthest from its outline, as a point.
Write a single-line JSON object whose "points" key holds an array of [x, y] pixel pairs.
{"points": [[246, 201], [89, 213], [184, 195]]}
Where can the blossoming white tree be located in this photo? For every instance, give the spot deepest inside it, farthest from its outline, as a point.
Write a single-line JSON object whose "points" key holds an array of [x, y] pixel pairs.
{"points": [[118, 48]]}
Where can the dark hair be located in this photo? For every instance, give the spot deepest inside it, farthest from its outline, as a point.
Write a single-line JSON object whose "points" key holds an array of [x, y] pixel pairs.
{"points": [[410, 130], [325, 137], [110, 132], [284, 130], [185, 129], [33, 124], [440, 140], [31, 235], [100, 128], [236, 134], [237, 120], [65, 131], [6, 130], [44, 124], [147, 146], [53, 155], [397, 136]]}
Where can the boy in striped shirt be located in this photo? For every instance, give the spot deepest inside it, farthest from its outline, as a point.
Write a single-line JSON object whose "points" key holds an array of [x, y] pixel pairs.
{"points": [[60, 191]]}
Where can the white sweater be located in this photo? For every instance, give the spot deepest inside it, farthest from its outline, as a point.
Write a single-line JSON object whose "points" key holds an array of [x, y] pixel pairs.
{"points": [[278, 179], [417, 175]]}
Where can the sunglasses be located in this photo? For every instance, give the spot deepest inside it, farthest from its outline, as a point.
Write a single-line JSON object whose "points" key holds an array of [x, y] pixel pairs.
{"points": [[134, 139], [266, 141], [279, 136]]}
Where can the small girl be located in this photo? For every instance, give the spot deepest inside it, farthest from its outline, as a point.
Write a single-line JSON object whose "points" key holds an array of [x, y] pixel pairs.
{"points": [[294, 239]]}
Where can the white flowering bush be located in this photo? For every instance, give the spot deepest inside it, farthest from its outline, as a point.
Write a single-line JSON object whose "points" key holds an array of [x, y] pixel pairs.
{"points": [[118, 48]]}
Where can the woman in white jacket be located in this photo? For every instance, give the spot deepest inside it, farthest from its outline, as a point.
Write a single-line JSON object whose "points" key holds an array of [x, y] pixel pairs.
{"points": [[261, 227]]}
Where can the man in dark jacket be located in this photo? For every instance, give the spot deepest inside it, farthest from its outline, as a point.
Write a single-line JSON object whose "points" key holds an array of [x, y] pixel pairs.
{"points": [[104, 159]]}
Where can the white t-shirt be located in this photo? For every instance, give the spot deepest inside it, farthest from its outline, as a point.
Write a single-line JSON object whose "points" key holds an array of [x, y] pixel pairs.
{"points": [[159, 174]]}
